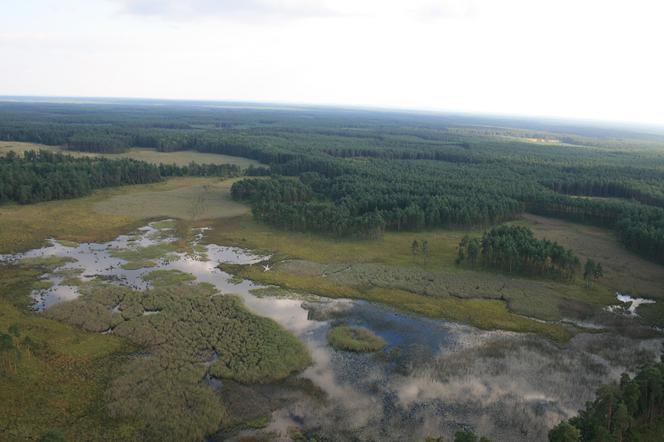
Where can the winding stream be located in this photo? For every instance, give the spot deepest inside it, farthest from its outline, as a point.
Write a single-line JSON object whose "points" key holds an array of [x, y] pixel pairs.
{"points": [[433, 378]]}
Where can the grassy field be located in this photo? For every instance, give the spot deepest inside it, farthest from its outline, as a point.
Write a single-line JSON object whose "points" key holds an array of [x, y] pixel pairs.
{"points": [[181, 158], [386, 270], [393, 249], [206, 199], [95, 218], [623, 270]]}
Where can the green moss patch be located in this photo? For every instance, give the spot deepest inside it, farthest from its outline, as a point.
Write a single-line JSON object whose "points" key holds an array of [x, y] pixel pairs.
{"points": [[357, 339]]}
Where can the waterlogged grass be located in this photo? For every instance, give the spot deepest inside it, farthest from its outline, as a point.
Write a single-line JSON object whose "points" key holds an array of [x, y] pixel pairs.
{"points": [[393, 249], [191, 330], [164, 224], [138, 254], [482, 313], [67, 243], [164, 278], [135, 265], [194, 331], [24, 227], [389, 263], [357, 339], [47, 262], [42, 284]]}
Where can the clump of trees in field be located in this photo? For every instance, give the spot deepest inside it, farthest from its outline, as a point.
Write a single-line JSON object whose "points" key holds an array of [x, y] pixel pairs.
{"points": [[592, 271], [514, 249], [621, 412], [43, 176]]}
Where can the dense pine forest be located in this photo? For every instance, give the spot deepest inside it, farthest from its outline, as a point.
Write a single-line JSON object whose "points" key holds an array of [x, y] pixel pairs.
{"points": [[43, 176], [359, 173], [621, 411], [514, 249]]}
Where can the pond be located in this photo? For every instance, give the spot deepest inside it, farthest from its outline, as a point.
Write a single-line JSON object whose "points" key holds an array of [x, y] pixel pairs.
{"points": [[433, 378]]}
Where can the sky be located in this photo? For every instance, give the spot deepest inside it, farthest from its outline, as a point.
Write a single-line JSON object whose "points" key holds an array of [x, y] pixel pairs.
{"points": [[587, 59]]}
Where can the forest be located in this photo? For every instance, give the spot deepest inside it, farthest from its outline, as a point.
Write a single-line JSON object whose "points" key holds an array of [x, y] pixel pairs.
{"points": [[514, 249], [43, 176], [620, 411], [359, 173]]}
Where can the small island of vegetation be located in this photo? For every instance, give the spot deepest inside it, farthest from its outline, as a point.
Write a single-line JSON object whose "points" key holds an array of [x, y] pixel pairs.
{"points": [[358, 339]]}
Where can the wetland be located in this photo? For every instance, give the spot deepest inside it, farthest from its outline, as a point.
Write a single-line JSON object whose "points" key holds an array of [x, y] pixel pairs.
{"points": [[257, 360]]}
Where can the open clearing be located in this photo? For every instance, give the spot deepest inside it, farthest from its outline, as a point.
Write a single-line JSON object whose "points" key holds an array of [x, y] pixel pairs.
{"points": [[181, 158], [386, 270], [623, 270], [25, 227], [203, 200]]}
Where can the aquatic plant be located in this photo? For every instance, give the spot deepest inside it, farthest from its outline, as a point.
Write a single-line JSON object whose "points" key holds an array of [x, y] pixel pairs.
{"points": [[161, 278], [358, 339], [155, 251], [195, 331]]}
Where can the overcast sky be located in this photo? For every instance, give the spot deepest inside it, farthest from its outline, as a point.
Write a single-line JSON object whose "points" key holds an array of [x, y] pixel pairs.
{"points": [[592, 59]]}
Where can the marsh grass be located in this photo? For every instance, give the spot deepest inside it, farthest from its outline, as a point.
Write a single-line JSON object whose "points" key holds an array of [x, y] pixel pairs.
{"points": [[163, 278], [24, 227], [138, 254], [67, 243], [61, 375], [164, 224], [195, 331], [42, 284], [437, 276], [488, 314], [135, 265], [47, 262], [358, 339]]}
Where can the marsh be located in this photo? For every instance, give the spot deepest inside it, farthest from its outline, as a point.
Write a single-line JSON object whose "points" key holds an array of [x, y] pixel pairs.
{"points": [[432, 378]]}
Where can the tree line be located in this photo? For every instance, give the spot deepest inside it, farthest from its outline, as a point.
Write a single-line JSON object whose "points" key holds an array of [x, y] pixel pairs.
{"points": [[42, 175]]}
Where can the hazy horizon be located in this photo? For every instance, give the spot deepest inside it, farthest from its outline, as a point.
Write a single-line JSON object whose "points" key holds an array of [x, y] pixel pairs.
{"points": [[564, 122], [591, 61]]}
